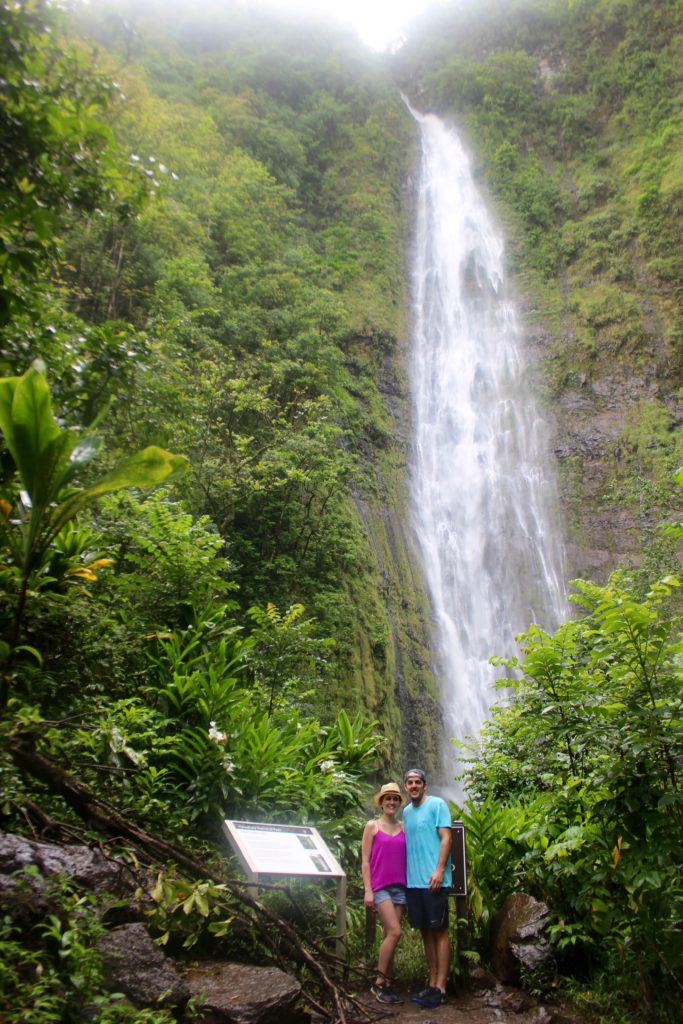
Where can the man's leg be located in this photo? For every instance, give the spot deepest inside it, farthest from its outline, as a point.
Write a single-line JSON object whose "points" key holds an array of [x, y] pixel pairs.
{"points": [[438, 953], [430, 954], [442, 951]]}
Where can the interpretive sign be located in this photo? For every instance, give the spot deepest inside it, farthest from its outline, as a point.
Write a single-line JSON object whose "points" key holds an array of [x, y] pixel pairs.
{"points": [[281, 849], [294, 850]]}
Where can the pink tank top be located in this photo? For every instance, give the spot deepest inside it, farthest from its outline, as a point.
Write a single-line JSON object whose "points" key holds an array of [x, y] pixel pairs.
{"points": [[388, 860]]}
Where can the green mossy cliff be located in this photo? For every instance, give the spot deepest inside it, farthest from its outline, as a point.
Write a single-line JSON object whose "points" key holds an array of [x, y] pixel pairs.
{"points": [[269, 279]]}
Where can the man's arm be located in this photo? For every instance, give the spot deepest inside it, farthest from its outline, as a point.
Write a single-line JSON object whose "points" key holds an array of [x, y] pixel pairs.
{"points": [[436, 877]]}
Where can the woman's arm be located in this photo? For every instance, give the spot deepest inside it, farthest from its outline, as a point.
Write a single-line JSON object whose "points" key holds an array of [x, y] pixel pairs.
{"points": [[366, 847]]}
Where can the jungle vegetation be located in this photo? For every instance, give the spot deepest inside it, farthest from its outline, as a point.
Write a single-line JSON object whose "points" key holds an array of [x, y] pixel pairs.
{"points": [[203, 230]]}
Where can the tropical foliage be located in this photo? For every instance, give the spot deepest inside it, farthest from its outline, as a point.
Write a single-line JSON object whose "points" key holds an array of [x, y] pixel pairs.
{"points": [[579, 777]]}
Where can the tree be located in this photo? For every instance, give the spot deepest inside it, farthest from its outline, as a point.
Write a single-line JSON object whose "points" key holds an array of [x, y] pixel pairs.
{"points": [[56, 149]]}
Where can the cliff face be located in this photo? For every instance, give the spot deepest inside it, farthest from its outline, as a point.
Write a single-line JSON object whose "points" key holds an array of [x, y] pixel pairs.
{"points": [[610, 506], [272, 269]]}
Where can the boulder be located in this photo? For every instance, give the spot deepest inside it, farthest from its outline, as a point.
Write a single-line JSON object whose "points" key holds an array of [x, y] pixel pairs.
{"points": [[480, 980], [25, 865], [517, 937], [134, 965], [86, 867], [241, 994]]}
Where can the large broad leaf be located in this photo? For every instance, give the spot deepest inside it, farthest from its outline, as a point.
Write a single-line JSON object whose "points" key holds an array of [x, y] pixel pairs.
{"points": [[50, 470], [8, 386], [46, 482], [29, 425], [148, 468], [59, 461], [79, 455]]}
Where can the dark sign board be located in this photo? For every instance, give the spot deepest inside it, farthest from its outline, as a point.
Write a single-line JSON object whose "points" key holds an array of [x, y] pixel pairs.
{"points": [[459, 859]]}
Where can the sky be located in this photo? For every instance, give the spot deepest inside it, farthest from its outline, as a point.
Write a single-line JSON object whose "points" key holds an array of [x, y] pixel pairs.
{"points": [[378, 22]]}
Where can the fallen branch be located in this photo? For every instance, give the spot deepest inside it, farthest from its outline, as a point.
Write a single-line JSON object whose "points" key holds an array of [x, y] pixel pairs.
{"points": [[103, 817]]}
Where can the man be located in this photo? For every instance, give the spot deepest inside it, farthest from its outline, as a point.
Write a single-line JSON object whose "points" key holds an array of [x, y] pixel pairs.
{"points": [[427, 825]]}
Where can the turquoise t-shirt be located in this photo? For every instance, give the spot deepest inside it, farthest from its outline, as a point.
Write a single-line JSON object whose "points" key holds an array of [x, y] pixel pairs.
{"points": [[423, 843]]}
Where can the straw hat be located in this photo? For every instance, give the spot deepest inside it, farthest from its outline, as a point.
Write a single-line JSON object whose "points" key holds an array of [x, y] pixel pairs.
{"points": [[388, 787]]}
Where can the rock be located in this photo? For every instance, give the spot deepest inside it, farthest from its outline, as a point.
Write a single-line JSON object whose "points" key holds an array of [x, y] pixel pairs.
{"points": [[25, 895], [516, 1001], [134, 965], [481, 980], [564, 1015], [242, 994], [517, 937], [511, 1000], [86, 867], [533, 955]]}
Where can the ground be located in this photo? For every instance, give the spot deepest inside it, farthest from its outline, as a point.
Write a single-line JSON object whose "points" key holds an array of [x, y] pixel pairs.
{"points": [[500, 1004]]}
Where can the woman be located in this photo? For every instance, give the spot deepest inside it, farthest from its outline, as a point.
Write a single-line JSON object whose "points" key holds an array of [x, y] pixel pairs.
{"points": [[384, 877]]}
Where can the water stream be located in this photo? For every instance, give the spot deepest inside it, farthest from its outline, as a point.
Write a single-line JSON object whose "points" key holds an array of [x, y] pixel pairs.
{"points": [[483, 490]]}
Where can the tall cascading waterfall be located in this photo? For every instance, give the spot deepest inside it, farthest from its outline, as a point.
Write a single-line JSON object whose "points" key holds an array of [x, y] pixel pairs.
{"points": [[483, 493]]}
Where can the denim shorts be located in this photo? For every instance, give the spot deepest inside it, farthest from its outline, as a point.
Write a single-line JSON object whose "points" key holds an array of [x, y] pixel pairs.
{"points": [[395, 893]]}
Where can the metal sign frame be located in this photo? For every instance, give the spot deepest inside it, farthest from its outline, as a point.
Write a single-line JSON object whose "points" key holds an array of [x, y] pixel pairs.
{"points": [[294, 851]]}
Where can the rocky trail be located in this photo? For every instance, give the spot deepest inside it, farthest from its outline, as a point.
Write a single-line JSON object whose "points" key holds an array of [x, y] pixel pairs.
{"points": [[489, 1003]]}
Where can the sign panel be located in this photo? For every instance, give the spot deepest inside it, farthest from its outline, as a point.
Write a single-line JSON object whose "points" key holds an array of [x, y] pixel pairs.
{"points": [[282, 849], [458, 859]]}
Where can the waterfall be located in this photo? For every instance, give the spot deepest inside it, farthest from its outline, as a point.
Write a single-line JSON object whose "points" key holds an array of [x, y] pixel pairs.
{"points": [[483, 494]]}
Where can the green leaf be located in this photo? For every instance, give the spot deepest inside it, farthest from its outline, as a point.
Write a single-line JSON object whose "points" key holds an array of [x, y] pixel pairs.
{"points": [[148, 468], [202, 904], [50, 465], [30, 650], [30, 426]]}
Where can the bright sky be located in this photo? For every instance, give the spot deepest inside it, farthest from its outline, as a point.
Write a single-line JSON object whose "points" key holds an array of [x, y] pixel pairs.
{"points": [[378, 22]]}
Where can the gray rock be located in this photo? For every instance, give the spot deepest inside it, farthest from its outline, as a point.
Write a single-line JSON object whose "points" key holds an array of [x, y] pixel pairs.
{"points": [[86, 867], [533, 954], [481, 980], [123, 892], [242, 994], [511, 1000], [134, 965], [517, 937]]}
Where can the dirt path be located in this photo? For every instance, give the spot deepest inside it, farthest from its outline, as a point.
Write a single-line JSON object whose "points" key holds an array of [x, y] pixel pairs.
{"points": [[502, 1005]]}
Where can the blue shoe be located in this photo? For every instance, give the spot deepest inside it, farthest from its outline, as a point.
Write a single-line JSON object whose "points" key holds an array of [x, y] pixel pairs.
{"points": [[385, 994], [429, 998]]}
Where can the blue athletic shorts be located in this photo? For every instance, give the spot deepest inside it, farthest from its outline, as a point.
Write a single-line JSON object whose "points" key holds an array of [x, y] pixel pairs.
{"points": [[428, 908], [395, 893]]}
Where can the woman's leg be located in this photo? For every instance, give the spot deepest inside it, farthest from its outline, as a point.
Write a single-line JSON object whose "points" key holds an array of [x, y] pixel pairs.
{"points": [[390, 915]]}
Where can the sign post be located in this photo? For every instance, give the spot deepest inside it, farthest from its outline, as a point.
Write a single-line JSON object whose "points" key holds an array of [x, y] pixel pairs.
{"points": [[294, 850], [459, 884]]}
